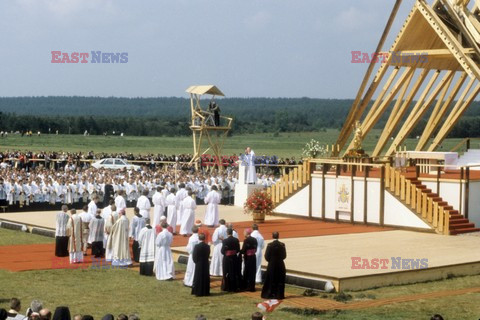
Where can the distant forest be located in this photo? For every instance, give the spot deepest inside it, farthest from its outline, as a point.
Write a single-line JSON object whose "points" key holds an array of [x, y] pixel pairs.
{"points": [[170, 116]]}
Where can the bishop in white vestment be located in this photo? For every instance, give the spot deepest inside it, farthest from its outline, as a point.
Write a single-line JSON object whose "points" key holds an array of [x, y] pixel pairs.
{"points": [[192, 242]]}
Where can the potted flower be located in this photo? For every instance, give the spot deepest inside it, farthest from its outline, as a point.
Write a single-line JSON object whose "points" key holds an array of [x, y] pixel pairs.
{"points": [[313, 149], [259, 204]]}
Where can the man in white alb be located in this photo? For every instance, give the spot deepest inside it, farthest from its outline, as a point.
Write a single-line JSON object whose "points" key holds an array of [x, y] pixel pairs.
{"points": [[211, 214], [260, 245], [164, 268], [143, 204], [188, 217], [192, 242], [159, 206], [251, 174], [219, 234]]}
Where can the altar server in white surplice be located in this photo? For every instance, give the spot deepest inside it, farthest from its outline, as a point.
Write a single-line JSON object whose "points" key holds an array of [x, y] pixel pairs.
{"points": [[212, 200], [159, 206], [97, 229], [260, 245], [219, 234], [143, 204], [188, 216], [163, 267], [146, 241], [192, 242]]}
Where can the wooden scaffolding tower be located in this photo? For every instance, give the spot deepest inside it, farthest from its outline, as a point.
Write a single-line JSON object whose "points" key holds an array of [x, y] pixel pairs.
{"points": [[430, 75], [203, 124]]}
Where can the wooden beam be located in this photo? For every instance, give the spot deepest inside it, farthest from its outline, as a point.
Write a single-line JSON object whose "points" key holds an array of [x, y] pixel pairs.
{"points": [[375, 113], [357, 109], [439, 112], [455, 114], [418, 111], [438, 53], [397, 115], [449, 39]]}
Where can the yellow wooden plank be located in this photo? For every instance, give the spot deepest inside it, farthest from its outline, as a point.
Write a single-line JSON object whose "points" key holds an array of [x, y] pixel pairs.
{"points": [[397, 183], [424, 205], [435, 214], [387, 175], [408, 193], [295, 179], [429, 210], [290, 182], [419, 201], [402, 187]]}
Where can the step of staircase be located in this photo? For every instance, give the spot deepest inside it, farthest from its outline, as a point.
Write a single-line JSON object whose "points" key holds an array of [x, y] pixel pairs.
{"points": [[462, 231], [458, 224], [462, 226]]}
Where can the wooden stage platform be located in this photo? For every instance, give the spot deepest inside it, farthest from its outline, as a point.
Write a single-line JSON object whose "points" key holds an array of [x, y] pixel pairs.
{"points": [[317, 251]]}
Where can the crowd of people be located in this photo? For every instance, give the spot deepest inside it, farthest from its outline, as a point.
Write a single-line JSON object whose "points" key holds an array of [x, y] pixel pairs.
{"points": [[43, 188], [108, 233], [37, 311], [147, 238]]}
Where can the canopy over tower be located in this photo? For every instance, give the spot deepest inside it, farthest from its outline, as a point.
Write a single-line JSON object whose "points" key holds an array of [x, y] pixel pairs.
{"points": [[429, 77], [206, 123]]}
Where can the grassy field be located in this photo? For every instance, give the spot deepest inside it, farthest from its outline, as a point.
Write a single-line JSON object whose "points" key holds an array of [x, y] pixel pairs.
{"points": [[98, 292], [283, 145]]}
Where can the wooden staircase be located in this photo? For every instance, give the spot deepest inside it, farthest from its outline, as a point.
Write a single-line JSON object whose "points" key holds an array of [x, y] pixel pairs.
{"points": [[429, 206], [291, 183]]}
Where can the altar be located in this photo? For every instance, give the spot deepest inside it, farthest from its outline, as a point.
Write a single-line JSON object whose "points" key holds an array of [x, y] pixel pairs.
{"points": [[242, 189]]}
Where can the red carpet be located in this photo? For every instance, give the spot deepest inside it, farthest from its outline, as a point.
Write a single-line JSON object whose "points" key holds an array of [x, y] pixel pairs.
{"points": [[42, 257]]}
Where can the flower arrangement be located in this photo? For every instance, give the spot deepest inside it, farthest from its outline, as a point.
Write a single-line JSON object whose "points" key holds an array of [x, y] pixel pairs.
{"points": [[313, 149], [260, 201]]}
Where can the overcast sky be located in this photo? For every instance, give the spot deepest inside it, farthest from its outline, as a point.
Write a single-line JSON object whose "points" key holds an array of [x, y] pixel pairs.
{"points": [[262, 48]]}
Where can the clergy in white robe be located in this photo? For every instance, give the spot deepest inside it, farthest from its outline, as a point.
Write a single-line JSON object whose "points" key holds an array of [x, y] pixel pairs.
{"points": [[250, 174], [143, 204], [97, 229], [163, 267], [188, 216], [86, 218], [211, 214], [146, 241], [61, 238], [171, 203], [138, 222], [219, 234], [74, 231], [159, 206], [179, 197], [106, 212], [189, 273], [260, 245], [109, 222], [118, 242], [120, 202]]}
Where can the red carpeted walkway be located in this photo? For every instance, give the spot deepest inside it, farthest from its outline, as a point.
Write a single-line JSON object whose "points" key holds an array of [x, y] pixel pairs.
{"points": [[41, 256]]}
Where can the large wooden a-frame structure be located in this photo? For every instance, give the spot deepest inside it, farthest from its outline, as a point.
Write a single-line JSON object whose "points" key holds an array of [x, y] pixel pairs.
{"points": [[203, 124], [430, 73]]}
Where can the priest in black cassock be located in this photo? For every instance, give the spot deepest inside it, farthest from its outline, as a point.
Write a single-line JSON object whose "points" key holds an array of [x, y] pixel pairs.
{"points": [[201, 276], [274, 285], [248, 251], [232, 263]]}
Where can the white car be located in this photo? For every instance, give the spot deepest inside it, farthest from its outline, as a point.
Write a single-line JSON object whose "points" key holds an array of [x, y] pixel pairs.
{"points": [[114, 163]]}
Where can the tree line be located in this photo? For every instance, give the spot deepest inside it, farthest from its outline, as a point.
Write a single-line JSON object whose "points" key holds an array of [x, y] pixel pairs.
{"points": [[170, 116]]}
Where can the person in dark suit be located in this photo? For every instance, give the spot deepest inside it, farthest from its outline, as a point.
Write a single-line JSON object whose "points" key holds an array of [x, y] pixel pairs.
{"points": [[274, 286], [201, 276], [248, 251], [231, 263], [109, 192]]}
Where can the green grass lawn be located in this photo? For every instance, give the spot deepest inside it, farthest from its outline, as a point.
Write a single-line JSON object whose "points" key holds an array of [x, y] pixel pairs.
{"points": [[98, 292], [283, 145]]}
